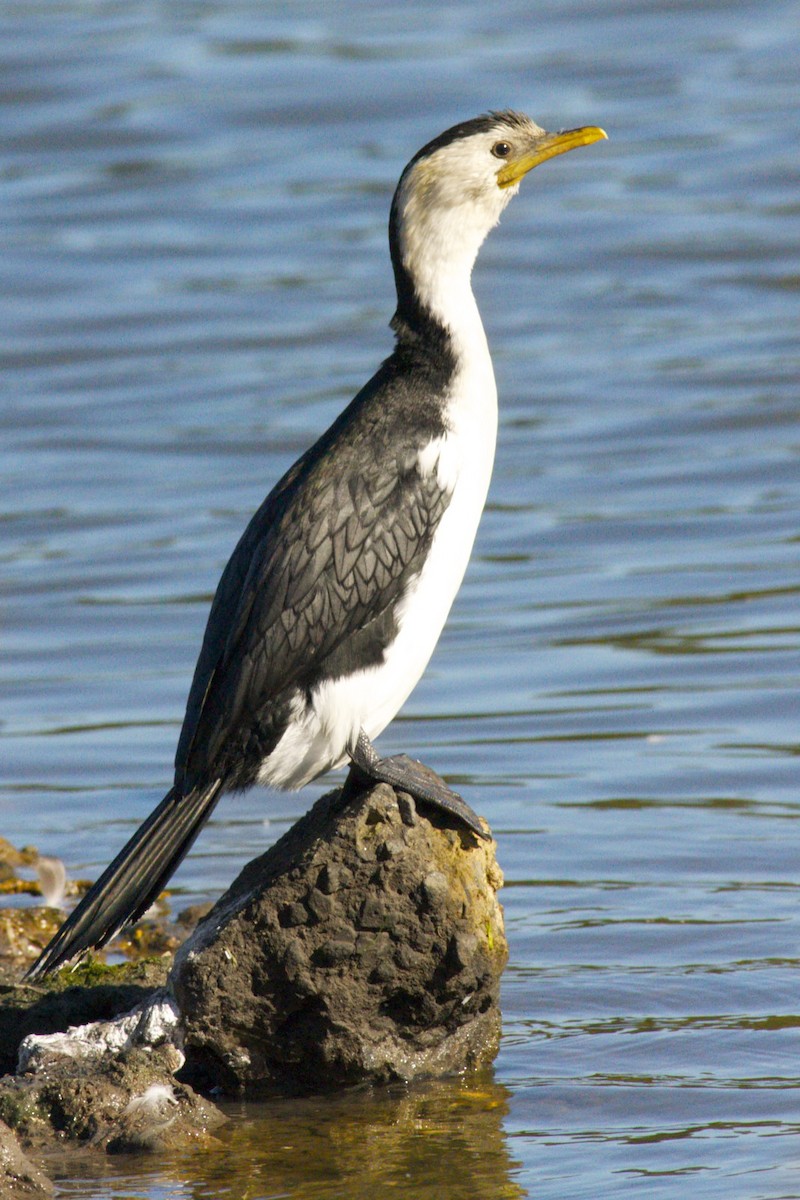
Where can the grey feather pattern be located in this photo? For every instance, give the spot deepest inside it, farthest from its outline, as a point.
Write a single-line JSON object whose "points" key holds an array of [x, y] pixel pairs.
{"points": [[310, 589]]}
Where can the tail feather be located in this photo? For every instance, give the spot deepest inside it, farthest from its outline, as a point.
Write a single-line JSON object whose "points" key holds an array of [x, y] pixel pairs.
{"points": [[128, 887]]}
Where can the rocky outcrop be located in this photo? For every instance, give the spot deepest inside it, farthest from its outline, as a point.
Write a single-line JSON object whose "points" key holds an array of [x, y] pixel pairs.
{"points": [[367, 944], [19, 1177], [117, 1103], [109, 1084], [72, 998]]}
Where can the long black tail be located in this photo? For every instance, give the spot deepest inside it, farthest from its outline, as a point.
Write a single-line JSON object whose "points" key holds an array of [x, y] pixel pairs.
{"points": [[134, 879]]}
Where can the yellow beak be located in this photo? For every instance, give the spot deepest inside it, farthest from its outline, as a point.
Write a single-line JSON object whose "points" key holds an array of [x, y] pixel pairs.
{"points": [[548, 146]]}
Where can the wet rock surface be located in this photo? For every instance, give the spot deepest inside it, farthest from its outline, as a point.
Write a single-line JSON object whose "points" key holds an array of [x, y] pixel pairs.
{"points": [[74, 997], [366, 945], [130, 1101], [108, 1085], [19, 1177]]}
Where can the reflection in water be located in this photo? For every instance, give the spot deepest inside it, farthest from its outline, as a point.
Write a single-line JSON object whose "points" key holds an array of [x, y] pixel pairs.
{"points": [[442, 1140]]}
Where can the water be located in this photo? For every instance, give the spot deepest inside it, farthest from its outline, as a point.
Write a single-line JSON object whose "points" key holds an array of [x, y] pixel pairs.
{"points": [[194, 280]]}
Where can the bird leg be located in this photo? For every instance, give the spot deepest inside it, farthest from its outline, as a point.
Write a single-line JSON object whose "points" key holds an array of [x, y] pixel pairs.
{"points": [[407, 775]]}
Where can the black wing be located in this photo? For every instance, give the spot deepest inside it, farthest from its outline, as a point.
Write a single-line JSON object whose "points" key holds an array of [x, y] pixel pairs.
{"points": [[310, 588]]}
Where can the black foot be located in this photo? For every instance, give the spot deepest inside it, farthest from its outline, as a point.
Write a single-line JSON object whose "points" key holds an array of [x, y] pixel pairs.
{"points": [[421, 782]]}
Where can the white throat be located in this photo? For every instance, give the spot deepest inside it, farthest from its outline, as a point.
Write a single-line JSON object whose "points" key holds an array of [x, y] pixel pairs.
{"points": [[440, 232]]}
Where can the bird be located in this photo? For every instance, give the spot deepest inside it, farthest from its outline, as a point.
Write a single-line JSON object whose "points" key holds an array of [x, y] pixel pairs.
{"points": [[334, 598]]}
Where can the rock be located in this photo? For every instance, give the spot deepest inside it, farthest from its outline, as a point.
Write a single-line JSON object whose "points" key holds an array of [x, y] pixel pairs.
{"points": [[119, 1103], [152, 1023], [89, 992], [23, 933], [109, 1084], [19, 1178], [11, 857], [367, 944]]}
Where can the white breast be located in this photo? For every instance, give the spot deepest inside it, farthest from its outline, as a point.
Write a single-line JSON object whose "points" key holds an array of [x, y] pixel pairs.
{"points": [[439, 247], [320, 734]]}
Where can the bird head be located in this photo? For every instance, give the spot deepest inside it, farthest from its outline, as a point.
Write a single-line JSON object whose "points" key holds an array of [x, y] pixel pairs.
{"points": [[455, 188]]}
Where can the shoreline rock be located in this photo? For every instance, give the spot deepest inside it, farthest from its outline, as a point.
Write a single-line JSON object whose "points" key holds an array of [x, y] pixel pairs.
{"points": [[124, 1102], [365, 946], [19, 1177], [87, 994]]}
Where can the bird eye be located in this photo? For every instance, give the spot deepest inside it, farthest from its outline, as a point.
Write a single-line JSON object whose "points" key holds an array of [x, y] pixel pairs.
{"points": [[501, 149]]}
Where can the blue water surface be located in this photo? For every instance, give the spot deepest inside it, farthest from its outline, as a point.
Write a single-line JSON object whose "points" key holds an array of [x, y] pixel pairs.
{"points": [[194, 280]]}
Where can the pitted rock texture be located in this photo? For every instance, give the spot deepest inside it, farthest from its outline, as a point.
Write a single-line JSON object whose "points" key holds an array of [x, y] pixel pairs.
{"points": [[19, 1177], [123, 1102], [367, 944]]}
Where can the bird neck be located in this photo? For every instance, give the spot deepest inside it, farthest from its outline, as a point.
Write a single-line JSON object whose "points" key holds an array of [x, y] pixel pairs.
{"points": [[433, 256]]}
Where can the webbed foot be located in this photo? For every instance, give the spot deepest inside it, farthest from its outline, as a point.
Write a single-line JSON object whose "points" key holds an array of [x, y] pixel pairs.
{"points": [[408, 775]]}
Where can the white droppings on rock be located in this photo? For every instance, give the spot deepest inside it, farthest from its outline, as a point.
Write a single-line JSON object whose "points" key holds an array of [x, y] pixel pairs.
{"points": [[153, 1023]]}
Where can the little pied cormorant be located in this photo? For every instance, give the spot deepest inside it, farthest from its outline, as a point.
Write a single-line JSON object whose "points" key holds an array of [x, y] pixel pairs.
{"points": [[333, 600]]}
